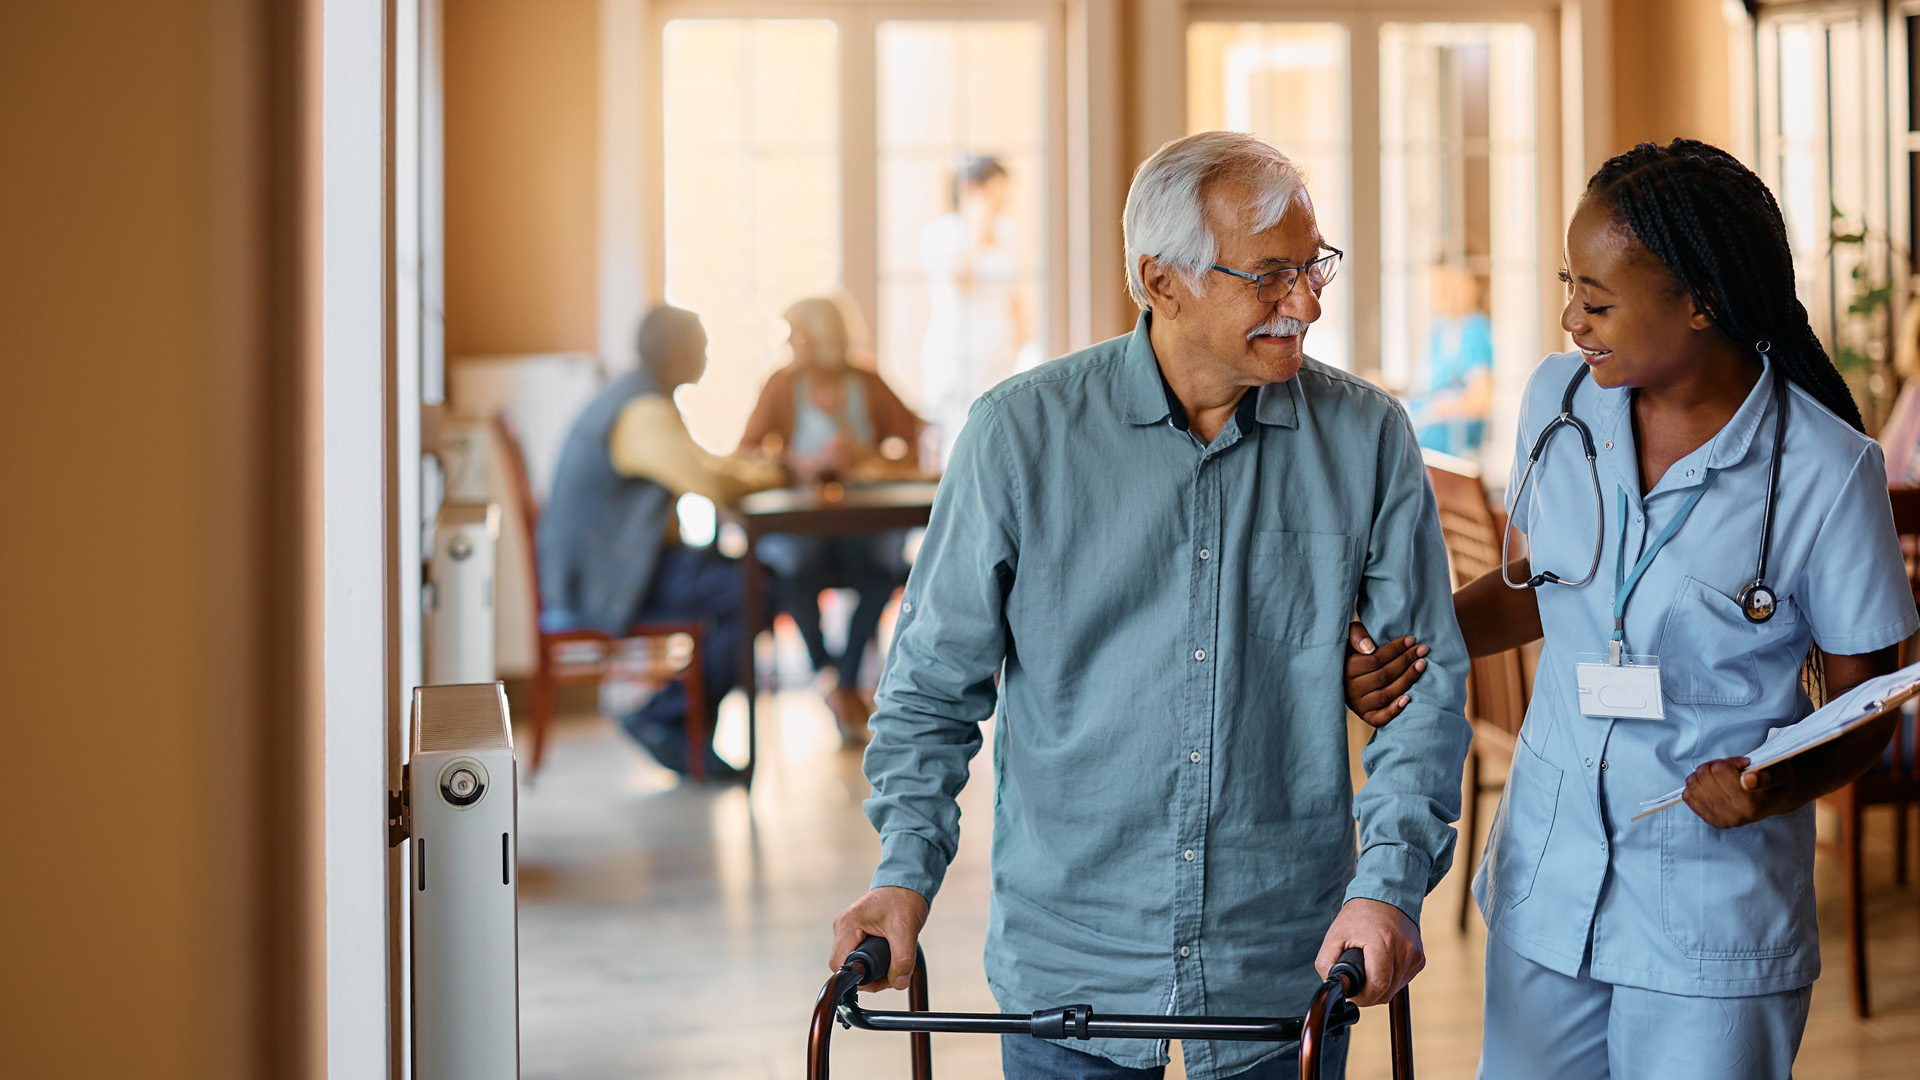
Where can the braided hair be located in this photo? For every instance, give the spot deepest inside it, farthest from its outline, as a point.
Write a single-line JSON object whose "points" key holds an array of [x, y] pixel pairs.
{"points": [[1714, 224]]}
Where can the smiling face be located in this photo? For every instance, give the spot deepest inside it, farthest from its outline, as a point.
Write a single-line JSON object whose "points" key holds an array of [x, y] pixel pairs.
{"points": [[1249, 343], [1632, 319]]}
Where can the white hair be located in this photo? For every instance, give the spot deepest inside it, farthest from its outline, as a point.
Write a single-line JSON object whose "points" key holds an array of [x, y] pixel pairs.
{"points": [[1166, 214]]}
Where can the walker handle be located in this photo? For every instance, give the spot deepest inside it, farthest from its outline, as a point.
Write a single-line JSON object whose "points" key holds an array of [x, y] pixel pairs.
{"points": [[1350, 969], [874, 957]]}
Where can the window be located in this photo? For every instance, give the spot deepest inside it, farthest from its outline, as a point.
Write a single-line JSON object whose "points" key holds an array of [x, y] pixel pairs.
{"points": [[1288, 84], [1422, 144], [1460, 270], [1821, 94], [752, 165], [963, 182], [813, 152]]}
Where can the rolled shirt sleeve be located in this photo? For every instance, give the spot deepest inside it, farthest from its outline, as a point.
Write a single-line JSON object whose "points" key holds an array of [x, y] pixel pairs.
{"points": [[1411, 798], [939, 684]]}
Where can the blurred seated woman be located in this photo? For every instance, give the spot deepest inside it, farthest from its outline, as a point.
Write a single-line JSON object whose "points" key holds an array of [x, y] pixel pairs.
{"points": [[830, 422]]}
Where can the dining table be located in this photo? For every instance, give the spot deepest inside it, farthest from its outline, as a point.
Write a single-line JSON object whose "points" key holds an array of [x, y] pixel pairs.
{"points": [[830, 509]]}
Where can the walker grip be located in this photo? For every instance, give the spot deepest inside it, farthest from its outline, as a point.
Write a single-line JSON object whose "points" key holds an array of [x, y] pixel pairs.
{"points": [[873, 955], [1351, 970]]}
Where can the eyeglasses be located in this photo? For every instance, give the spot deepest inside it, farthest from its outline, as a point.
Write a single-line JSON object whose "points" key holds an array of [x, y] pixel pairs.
{"points": [[1274, 285]]}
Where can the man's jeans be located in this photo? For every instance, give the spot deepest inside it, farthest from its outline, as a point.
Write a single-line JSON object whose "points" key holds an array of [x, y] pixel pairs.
{"points": [[1023, 1057], [694, 585]]}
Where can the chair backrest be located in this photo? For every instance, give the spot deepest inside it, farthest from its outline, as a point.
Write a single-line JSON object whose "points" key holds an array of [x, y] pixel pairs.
{"points": [[520, 488], [1901, 761], [1906, 522], [1496, 685]]}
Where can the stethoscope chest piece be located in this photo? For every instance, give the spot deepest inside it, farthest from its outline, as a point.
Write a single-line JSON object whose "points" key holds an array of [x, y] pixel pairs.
{"points": [[1758, 602]]}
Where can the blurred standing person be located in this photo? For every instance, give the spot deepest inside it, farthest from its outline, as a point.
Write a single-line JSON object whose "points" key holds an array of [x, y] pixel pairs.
{"points": [[1451, 414], [977, 319], [830, 422]]}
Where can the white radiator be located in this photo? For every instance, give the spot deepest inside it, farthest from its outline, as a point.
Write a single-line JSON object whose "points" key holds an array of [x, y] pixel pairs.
{"points": [[460, 606], [460, 801]]}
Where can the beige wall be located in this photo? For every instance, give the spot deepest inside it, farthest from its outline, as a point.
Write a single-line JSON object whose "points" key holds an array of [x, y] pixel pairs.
{"points": [[150, 435], [522, 174], [1670, 75]]}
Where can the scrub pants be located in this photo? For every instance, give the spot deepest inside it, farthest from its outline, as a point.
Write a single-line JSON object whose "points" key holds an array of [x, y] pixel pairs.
{"points": [[1542, 1023], [1023, 1057]]}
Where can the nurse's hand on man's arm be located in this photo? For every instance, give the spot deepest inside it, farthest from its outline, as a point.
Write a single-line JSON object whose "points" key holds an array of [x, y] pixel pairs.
{"points": [[890, 912], [1390, 941], [1378, 677]]}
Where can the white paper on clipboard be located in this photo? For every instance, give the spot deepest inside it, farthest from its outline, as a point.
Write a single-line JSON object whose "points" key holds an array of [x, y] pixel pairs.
{"points": [[1861, 705]]}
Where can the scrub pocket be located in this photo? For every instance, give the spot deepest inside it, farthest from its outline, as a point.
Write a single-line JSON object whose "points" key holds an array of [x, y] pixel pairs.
{"points": [[1301, 588], [1736, 894], [1521, 829], [1709, 651]]}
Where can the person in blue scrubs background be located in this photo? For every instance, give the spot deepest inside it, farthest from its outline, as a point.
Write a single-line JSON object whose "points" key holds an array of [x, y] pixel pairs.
{"points": [[1685, 943]]}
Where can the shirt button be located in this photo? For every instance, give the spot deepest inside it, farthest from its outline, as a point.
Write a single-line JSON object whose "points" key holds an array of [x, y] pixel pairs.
{"points": [[1603, 763], [1689, 472], [1194, 757], [906, 606], [1205, 554], [1589, 763], [1199, 654], [1184, 951], [1187, 854], [1609, 444]]}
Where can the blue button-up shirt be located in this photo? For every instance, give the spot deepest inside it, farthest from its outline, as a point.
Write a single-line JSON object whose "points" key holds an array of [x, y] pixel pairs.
{"points": [[1670, 903], [1173, 815]]}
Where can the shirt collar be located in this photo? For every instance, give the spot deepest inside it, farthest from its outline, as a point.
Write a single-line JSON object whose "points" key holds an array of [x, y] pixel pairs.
{"points": [[1727, 448], [1149, 400], [1730, 446]]}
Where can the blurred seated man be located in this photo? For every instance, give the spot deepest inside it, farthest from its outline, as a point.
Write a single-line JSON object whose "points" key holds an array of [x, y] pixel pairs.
{"points": [[609, 541], [829, 422]]}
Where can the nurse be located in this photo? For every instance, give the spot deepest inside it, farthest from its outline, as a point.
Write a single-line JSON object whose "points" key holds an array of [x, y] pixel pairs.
{"points": [[1685, 943]]}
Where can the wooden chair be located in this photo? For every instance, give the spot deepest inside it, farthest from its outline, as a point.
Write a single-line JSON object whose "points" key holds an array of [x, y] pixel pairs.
{"points": [[666, 652], [1894, 781], [1496, 685]]}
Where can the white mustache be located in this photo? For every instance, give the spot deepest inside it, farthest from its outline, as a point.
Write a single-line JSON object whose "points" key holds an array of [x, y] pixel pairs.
{"points": [[1278, 326]]}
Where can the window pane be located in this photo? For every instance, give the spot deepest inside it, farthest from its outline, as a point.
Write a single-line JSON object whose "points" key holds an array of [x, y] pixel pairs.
{"points": [[1460, 262], [1287, 83], [961, 263], [752, 166]]}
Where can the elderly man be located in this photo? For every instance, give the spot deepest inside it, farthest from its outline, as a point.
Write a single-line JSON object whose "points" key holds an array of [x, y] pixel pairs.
{"points": [[607, 544], [1156, 545]]}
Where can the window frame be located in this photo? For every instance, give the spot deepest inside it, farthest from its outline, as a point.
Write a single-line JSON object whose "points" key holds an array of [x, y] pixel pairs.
{"points": [[857, 25], [1886, 211], [1560, 138]]}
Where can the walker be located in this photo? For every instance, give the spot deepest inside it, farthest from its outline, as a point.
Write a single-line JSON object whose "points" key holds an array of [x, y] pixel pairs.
{"points": [[1329, 1014]]}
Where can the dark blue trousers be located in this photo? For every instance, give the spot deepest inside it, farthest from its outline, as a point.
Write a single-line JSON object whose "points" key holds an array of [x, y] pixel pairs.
{"points": [[1023, 1057]]}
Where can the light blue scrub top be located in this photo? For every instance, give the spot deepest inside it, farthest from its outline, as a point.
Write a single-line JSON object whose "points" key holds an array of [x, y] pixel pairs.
{"points": [[1670, 903]]}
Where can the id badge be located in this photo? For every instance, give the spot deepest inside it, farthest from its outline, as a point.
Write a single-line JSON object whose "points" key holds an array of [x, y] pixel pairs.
{"points": [[1628, 690]]}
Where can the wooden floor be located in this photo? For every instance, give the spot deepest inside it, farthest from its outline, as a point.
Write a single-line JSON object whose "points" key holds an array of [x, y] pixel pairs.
{"points": [[681, 931]]}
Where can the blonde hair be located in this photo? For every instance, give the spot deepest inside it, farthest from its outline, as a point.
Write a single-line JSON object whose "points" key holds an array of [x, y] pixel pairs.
{"points": [[819, 321]]}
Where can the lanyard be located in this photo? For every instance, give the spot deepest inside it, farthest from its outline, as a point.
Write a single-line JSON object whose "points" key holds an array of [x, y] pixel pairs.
{"points": [[1624, 582]]}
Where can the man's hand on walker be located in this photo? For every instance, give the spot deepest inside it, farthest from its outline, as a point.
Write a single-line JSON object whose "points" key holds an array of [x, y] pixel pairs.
{"points": [[890, 912], [1390, 940], [1378, 677]]}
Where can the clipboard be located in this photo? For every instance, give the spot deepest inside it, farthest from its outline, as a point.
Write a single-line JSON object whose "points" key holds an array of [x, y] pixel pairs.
{"points": [[1856, 708]]}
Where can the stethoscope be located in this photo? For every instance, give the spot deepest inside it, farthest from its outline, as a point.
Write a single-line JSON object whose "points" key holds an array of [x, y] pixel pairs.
{"points": [[1757, 600]]}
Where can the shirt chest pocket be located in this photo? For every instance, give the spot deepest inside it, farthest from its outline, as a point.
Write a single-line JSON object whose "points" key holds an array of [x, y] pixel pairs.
{"points": [[1709, 651], [1300, 587]]}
